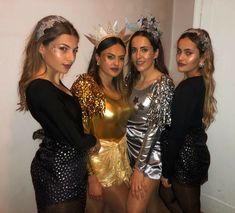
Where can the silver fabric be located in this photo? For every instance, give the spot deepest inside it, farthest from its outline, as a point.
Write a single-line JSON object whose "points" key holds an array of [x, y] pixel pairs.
{"points": [[150, 113]]}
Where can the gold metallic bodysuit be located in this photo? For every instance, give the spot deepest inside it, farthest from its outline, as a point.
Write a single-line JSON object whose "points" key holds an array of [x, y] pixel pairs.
{"points": [[108, 123]]}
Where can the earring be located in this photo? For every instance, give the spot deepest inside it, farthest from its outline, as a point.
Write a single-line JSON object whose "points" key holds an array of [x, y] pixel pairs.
{"points": [[98, 64], [201, 65], [155, 62]]}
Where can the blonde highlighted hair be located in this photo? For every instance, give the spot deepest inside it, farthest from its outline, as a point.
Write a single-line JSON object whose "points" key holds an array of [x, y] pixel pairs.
{"points": [[203, 42]]}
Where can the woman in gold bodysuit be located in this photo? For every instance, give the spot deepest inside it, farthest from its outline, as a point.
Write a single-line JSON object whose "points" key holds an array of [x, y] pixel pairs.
{"points": [[105, 115]]}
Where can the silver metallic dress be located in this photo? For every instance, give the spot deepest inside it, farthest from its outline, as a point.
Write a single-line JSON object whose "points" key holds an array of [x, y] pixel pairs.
{"points": [[150, 113]]}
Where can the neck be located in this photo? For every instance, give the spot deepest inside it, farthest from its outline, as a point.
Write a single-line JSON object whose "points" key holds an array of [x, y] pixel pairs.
{"points": [[50, 76], [149, 75], [106, 80]]}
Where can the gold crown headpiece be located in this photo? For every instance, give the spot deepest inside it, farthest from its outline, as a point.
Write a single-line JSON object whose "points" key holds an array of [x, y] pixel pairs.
{"points": [[102, 33]]}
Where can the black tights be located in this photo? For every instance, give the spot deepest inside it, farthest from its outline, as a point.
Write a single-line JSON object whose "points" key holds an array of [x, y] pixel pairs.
{"points": [[180, 198], [73, 206]]}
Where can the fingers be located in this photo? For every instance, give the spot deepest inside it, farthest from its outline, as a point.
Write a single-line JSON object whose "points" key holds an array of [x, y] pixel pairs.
{"points": [[165, 182], [138, 191]]}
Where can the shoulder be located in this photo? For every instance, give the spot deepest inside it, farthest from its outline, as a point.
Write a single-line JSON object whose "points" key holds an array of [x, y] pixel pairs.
{"points": [[83, 81], [164, 84], [39, 87], [90, 95], [194, 84], [85, 85]]}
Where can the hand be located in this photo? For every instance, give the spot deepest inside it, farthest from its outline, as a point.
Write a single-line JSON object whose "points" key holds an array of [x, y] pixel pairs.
{"points": [[165, 182], [95, 149], [94, 188], [138, 189]]}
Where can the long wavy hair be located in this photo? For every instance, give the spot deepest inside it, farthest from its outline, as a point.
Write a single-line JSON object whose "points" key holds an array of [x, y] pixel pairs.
{"points": [[33, 60], [201, 38], [93, 67], [133, 74]]}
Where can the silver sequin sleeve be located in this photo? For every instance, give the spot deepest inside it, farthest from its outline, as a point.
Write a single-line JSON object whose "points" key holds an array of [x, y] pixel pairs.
{"points": [[150, 114]]}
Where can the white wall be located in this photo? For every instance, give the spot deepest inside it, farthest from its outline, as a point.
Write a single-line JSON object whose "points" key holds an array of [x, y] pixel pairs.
{"points": [[16, 21], [182, 19], [217, 17]]}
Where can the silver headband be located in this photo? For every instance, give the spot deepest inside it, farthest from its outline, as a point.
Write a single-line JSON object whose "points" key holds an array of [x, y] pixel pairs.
{"points": [[203, 39], [47, 24]]}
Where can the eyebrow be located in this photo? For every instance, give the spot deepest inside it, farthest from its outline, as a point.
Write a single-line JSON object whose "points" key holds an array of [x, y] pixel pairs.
{"points": [[68, 46], [114, 54], [186, 49]]}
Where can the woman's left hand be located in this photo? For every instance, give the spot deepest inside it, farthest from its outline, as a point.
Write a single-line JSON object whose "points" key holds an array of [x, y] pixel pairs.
{"points": [[95, 149], [137, 184]]}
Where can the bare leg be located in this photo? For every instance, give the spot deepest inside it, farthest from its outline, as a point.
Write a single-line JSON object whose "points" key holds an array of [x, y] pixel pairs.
{"points": [[114, 200], [140, 206], [94, 206]]}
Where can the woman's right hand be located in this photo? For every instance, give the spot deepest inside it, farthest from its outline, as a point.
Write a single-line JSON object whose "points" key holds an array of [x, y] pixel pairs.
{"points": [[95, 190], [138, 188]]}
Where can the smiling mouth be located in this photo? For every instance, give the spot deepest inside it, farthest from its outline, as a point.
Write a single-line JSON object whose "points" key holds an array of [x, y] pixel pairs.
{"points": [[139, 62]]}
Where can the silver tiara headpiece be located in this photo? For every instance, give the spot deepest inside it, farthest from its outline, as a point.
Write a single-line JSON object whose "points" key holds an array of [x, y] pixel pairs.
{"points": [[204, 40], [47, 24], [101, 33], [146, 23]]}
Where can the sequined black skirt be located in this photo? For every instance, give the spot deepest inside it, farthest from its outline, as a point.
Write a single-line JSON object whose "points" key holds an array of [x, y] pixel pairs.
{"points": [[59, 174], [192, 164]]}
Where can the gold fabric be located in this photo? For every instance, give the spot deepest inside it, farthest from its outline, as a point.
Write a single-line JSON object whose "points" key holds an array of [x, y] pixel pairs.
{"points": [[112, 124], [111, 165], [106, 118]]}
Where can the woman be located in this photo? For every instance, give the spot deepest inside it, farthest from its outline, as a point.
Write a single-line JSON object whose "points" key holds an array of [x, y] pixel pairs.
{"points": [[58, 169], [106, 111], [151, 92], [186, 158]]}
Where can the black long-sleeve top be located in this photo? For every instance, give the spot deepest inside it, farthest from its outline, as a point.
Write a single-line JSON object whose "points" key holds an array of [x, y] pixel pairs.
{"points": [[187, 113], [58, 113]]}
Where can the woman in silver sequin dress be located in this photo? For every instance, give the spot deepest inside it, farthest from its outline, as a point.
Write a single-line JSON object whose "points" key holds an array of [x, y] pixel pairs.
{"points": [[186, 158], [151, 92], [58, 169]]}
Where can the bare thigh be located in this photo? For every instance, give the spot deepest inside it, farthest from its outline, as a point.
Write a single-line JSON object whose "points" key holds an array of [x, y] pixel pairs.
{"points": [[135, 205], [113, 201], [115, 198]]}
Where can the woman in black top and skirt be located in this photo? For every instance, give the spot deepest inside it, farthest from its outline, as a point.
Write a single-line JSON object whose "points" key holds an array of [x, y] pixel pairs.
{"points": [[58, 169], [185, 156]]}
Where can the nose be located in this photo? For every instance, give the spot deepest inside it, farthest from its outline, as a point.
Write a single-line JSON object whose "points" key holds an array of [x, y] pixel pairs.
{"points": [[71, 56], [116, 62], [180, 56], [138, 54]]}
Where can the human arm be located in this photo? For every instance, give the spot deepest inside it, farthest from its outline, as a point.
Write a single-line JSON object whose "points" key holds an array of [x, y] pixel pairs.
{"points": [[186, 107], [58, 114], [158, 118]]}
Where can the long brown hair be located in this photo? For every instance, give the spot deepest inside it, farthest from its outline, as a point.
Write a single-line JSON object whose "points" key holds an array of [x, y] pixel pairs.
{"points": [[203, 42], [133, 74], [45, 31]]}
